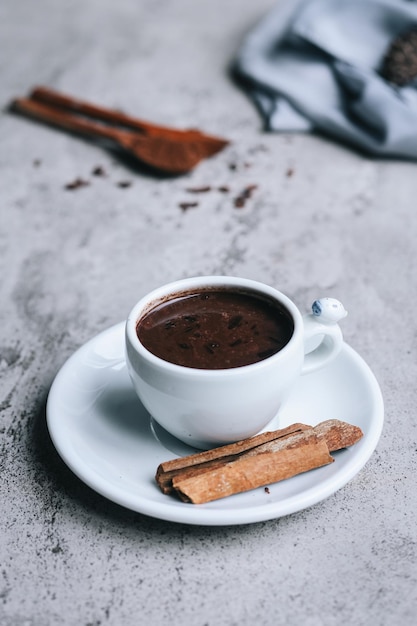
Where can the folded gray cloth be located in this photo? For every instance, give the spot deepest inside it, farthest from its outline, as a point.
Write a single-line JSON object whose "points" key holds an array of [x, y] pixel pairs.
{"points": [[314, 65]]}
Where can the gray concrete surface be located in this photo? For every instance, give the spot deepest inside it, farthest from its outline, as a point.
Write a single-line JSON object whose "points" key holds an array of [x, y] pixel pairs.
{"points": [[74, 262]]}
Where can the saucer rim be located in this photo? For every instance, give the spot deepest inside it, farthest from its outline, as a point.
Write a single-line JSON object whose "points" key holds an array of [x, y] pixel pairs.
{"points": [[174, 511]]}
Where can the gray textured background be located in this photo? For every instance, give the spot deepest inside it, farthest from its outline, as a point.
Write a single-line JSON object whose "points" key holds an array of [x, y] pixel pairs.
{"points": [[74, 262]]}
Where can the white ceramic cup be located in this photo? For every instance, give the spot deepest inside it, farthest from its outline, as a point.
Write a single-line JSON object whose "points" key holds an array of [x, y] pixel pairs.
{"points": [[205, 408]]}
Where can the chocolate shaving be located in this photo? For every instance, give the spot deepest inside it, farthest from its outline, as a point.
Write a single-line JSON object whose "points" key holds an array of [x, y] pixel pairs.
{"points": [[77, 184], [187, 205], [244, 195], [99, 171], [124, 184]]}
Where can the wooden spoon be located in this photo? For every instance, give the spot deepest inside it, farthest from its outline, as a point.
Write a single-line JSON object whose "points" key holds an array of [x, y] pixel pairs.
{"points": [[164, 153]]}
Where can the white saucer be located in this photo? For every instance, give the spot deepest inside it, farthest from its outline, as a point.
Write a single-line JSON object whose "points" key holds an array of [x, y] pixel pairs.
{"points": [[107, 438]]}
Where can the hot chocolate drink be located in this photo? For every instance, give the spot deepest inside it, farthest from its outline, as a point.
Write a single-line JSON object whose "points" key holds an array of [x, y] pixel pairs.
{"points": [[215, 328]]}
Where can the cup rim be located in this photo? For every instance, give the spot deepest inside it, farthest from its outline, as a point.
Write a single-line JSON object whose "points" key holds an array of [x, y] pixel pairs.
{"points": [[149, 300]]}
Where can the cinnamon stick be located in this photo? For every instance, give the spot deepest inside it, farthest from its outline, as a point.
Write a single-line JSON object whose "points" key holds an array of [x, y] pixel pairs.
{"points": [[254, 462], [194, 463], [338, 434], [249, 472]]}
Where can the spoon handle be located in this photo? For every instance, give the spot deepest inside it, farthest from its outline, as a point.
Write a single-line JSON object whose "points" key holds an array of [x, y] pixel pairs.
{"points": [[61, 119], [50, 96]]}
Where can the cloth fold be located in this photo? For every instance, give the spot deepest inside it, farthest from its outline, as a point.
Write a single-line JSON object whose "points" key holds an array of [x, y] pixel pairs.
{"points": [[314, 65]]}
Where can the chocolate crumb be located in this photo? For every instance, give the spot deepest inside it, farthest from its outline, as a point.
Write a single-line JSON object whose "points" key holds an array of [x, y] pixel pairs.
{"points": [[187, 205], [199, 189], [124, 184], [400, 62], [266, 490], [99, 171], [224, 189], [249, 190], [235, 321], [232, 166], [244, 195], [77, 184], [289, 172]]}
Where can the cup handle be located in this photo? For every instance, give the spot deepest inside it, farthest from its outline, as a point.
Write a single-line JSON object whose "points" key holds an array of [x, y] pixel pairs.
{"points": [[323, 337]]}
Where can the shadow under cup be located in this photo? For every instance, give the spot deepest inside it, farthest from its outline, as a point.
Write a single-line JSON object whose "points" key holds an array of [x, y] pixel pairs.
{"points": [[212, 359]]}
